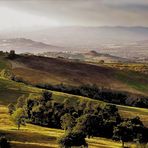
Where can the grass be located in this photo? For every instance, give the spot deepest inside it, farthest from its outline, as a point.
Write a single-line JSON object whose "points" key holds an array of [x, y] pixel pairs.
{"points": [[4, 62], [33, 136], [134, 79], [10, 91]]}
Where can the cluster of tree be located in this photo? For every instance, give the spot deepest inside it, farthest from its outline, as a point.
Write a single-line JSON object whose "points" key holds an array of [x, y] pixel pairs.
{"points": [[17, 112], [140, 102], [79, 121], [92, 91]]}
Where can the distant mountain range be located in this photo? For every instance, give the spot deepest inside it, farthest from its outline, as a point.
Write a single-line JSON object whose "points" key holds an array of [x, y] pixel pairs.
{"points": [[110, 51], [81, 37], [22, 45]]}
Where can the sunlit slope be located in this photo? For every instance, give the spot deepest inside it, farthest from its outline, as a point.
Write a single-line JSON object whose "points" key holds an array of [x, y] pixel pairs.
{"points": [[10, 91], [32, 136]]}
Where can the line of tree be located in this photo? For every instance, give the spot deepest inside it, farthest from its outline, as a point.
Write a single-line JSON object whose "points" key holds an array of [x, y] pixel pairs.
{"points": [[94, 92], [107, 95], [79, 121]]}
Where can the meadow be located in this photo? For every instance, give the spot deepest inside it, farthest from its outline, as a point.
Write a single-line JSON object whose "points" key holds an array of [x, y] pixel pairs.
{"points": [[33, 136]]}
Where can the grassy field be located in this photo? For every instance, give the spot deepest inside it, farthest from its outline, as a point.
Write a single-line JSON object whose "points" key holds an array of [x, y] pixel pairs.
{"points": [[41, 137], [14, 90], [32, 136]]}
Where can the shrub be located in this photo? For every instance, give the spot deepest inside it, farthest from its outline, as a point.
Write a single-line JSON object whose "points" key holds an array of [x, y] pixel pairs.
{"points": [[18, 117], [12, 54], [72, 139], [4, 142]]}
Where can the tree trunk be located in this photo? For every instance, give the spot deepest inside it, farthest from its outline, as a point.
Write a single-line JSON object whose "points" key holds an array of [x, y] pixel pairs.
{"points": [[122, 143], [18, 126]]}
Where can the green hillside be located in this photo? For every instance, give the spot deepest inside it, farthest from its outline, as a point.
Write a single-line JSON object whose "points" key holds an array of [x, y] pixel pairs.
{"points": [[33, 136]]}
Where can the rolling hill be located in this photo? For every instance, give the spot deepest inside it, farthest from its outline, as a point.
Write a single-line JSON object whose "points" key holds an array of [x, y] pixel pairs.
{"points": [[33, 136], [90, 56], [23, 45], [35, 70], [122, 50]]}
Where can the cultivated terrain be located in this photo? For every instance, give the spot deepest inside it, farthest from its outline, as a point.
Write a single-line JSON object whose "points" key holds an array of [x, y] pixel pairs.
{"points": [[32, 70]]}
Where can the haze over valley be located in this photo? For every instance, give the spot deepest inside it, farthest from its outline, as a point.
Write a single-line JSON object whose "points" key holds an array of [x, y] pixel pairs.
{"points": [[73, 73]]}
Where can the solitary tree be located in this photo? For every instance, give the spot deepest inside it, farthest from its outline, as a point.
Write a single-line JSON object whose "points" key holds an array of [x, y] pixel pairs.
{"points": [[123, 132], [18, 117], [101, 62], [12, 54]]}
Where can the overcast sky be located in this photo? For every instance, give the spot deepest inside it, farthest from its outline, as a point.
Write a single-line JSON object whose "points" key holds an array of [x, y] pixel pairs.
{"points": [[44, 13]]}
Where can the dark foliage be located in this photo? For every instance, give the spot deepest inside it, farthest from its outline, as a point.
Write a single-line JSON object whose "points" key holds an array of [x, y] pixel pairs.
{"points": [[11, 108], [83, 119], [72, 139], [141, 102], [130, 130], [12, 55], [91, 91], [4, 142]]}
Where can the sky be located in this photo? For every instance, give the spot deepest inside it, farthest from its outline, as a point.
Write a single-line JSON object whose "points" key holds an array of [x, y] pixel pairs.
{"points": [[16, 14]]}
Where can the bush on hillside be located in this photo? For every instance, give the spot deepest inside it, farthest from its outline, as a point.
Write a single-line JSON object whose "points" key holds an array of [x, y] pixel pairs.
{"points": [[6, 73], [4, 142], [72, 139]]}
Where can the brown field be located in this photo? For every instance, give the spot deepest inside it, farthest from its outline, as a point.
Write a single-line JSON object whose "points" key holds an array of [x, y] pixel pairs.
{"points": [[54, 71]]}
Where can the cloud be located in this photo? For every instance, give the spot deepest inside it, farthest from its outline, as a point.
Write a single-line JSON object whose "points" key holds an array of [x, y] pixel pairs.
{"points": [[86, 12]]}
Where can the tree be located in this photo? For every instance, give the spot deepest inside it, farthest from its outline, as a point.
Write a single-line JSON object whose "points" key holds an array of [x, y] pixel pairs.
{"points": [[87, 124], [21, 101], [11, 108], [67, 122], [123, 132], [72, 139], [12, 54], [101, 62], [4, 142], [18, 117], [7, 73], [47, 95], [130, 130]]}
